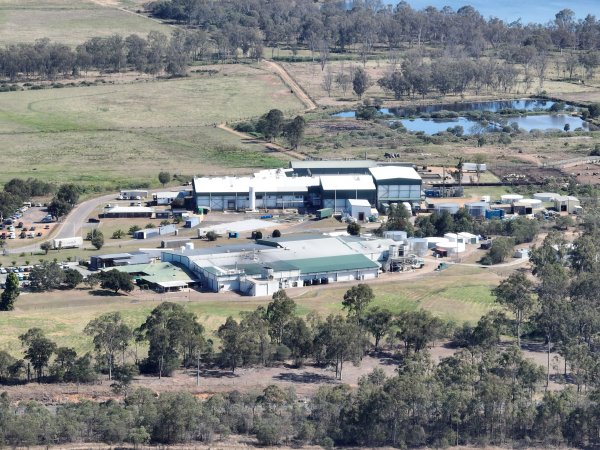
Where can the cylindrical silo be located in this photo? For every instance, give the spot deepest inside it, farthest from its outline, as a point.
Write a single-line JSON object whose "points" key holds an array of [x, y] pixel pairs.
{"points": [[418, 246], [535, 203], [477, 209], [511, 198], [452, 208], [546, 196]]}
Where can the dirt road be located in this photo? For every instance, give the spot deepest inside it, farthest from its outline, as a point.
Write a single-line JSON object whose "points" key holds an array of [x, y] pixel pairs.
{"points": [[250, 139], [292, 84]]}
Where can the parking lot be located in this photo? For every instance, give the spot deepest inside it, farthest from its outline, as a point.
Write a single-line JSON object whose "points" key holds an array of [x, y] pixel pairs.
{"points": [[28, 223]]}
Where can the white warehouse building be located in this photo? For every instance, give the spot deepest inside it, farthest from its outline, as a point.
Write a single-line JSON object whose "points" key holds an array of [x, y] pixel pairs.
{"points": [[314, 188]]}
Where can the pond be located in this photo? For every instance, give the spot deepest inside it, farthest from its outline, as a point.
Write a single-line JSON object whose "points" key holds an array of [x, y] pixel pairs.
{"points": [[526, 123], [428, 126]]}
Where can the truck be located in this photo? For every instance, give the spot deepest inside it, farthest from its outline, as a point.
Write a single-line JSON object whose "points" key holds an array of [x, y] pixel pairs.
{"points": [[324, 213], [72, 242]]}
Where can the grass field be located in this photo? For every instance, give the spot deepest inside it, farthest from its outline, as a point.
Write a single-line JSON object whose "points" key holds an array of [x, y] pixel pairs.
{"points": [[99, 134], [69, 21], [459, 294]]}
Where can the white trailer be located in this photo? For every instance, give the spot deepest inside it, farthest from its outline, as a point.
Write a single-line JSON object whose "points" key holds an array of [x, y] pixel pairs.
{"points": [[72, 242]]}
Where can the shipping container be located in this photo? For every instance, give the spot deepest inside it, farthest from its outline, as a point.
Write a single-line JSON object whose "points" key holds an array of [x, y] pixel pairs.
{"points": [[324, 213]]}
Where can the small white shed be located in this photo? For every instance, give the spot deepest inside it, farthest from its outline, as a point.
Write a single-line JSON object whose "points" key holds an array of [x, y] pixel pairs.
{"points": [[359, 209]]}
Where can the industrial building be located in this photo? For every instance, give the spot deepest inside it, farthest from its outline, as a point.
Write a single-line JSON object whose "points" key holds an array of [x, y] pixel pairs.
{"points": [[311, 184], [261, 268], [118, 260]]}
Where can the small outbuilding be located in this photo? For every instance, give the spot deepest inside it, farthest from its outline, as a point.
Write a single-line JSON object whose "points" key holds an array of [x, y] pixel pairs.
{"points": [[567, 203], [359, 209]]}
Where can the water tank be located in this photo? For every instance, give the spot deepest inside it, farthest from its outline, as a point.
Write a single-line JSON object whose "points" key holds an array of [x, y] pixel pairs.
{"points": [[393, 251], [395, 235], [182, 249], [533, 202], [511, 198], [546, 196], [477, 209], [453, 247], [432, 242], [452, 208], [418, 246], [189, 246]]}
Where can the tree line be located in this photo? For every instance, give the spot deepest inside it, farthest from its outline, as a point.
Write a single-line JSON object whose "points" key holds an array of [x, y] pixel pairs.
{"points": [[365, 24], [155, 54], [483, 394]]}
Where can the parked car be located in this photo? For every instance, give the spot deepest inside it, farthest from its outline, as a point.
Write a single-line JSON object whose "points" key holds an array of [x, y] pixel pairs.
{"points": [[47, 227], [3, 271], [39, 234], [23, 235], [20, 225]]}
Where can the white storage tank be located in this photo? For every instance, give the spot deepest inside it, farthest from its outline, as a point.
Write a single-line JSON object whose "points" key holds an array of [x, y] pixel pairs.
{"points": [[395, 235], [432, 242], [453, 247], [546, 196], [477, 209], [452, 208], [533, 202], [418, 246], [189, 246], [511, 198]]}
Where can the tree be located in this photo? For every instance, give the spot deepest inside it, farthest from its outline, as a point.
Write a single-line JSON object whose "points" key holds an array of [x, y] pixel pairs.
{"points": [[173, 334], [58, 208], [276, 234], [232, 342], [46, 247], [68, 193], [378, 322], [356, 300], [46, 276], [271, 124], [116, 281], [294, 131], [353, 229], [110, 335], [97, 239], [515, 293], [164, 178], [211, 236], [93, 280], [10, 293], [72, 278], [360, 81], [279, 312], [501, 249], [340, 340], [39, 350], [398, 219]]}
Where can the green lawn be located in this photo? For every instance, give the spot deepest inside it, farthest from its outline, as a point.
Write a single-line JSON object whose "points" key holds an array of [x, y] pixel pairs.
{"points": [[459, 294], [69, 21], [126, 133]]}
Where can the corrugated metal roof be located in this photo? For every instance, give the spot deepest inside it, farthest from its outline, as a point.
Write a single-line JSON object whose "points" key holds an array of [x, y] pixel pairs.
{"points": [[334, 264], [347, 183], [261, 182], [394, 172], [337, 164]]}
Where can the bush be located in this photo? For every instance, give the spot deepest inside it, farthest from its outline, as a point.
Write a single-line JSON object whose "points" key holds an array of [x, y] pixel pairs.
{"points": [[257, 235], [211, 236], [353, 229], [276, 233], [282, 352]]}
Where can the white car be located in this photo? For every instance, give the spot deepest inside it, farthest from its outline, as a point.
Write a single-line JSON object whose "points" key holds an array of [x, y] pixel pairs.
{"points": [[3, 271]]}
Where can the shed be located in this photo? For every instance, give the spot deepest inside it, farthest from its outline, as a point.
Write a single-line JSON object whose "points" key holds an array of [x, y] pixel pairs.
{"points": [[469, 238], [192, 222], [359, 209], [566, 203], [453, 237]]}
